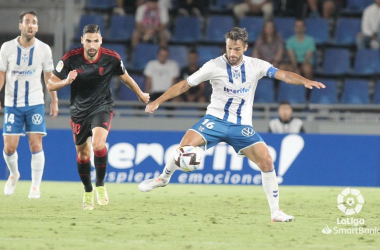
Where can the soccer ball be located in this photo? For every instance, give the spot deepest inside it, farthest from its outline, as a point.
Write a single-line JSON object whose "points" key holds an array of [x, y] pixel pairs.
{"points": [[188, 158]]}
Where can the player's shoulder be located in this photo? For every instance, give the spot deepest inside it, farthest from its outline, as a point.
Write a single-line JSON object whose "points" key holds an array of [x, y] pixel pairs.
{"points": [[110, 53], [254, 61], [41, 44], [73, 53], [9, 44]]}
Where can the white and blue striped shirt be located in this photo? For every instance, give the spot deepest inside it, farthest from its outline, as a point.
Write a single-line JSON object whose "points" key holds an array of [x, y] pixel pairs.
{"points": [[23, 67], [233, 87]]}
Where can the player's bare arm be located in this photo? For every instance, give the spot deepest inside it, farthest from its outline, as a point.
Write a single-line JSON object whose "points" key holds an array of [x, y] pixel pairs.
{"points": [[56, 83], [53, 95], [293, 78], [130, 83], [174, 91], [2, 81]]}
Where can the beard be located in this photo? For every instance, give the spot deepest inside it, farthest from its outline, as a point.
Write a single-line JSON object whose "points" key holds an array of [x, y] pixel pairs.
{"points": [[234, 59], [91, 52], [28, 36]]}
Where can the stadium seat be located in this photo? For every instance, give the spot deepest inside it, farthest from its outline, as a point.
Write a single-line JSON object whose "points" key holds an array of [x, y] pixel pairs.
{"points": [[367, 62], [357, 6], [222, 6], [253, 25], [187, 30], [217, 27], [329, 95], [179, 54], [376, 98], [124, 93], [336, 62], [265, 91], [121, 28], [90, 19], [291, 93], [75, 46], [249, 50], [346, 31], [206, 53], [142, 54], [118, 48], [318, 28], [355, 91], [100, 4], [285, 26]]}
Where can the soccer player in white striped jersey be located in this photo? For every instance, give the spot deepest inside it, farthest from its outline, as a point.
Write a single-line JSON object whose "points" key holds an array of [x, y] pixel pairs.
{"points": [[22, 61], [234, 78]]}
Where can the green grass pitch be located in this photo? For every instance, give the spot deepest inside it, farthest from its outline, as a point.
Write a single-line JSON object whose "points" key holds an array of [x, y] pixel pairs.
{"points": [[180, 217]]}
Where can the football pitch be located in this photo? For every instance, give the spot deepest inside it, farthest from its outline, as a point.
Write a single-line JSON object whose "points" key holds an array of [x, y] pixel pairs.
{"points": [[182, 217]]}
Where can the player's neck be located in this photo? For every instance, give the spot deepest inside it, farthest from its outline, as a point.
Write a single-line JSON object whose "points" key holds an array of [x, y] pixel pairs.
{"points": [[26, 43], [91, 59]]}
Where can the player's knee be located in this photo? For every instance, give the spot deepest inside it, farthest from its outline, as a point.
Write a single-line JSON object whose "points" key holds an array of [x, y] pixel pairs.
{"points": [[83, 155], [98, 145], [9, 149], [266, 163]]}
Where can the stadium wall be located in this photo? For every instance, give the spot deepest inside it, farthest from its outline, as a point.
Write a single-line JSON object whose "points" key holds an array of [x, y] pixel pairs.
{"points": [[328, 160]]}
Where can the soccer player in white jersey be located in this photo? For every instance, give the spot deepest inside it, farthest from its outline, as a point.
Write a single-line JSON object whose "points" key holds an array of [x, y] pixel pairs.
{"points": [[234, 78], [21, 63]]}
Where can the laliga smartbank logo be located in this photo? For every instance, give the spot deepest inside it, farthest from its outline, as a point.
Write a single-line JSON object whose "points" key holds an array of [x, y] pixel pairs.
{"points": [[350, 202]]}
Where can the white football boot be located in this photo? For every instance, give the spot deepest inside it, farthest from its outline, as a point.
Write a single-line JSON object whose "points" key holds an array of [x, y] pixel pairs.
{"points": [[149, 185], [279, 216], [34, 193], [10, 186]]}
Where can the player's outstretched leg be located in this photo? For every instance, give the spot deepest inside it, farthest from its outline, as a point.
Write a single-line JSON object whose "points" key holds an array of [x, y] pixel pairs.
{"points": [[37, 165], [259, 154], [160, 181], [100, 160], [12, 162], [84, 170]]}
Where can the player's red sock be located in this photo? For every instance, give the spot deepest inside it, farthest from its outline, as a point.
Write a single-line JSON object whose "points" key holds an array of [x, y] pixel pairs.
{"points": [[84, 170], [100, 160]]}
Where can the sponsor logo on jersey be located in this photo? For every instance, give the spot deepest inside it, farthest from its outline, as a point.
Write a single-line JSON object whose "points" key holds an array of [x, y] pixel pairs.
{"points": [[241, 91], [23, 72], [59, 66], [37, 119], [247, 131]]}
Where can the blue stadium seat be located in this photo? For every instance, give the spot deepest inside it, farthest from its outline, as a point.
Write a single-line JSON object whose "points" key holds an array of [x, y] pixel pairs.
{"points": [[217, 27], [376, 99], [124, 93], [265, 91], [143, 54], [346, 31], [249, 50], [291, 93], [101, 4], [121, 28], [206, 53], [285, 26], [179, 54], [75, 46], [253, 25], [357, 6], [90, 19], [222, 5], [367, 62], [118, 48], [355, 91], [318, 28], [329, 95], [187, 30], [336, 62]]}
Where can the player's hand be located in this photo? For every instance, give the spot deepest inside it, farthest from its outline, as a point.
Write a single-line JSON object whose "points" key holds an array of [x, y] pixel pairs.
{"points": [[151, 107], [310, 84], [54, 109], [144, 98], [72, 75]]}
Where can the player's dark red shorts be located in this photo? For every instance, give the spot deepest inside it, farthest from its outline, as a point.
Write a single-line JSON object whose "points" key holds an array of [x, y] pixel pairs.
{"points": [[83, 129]]}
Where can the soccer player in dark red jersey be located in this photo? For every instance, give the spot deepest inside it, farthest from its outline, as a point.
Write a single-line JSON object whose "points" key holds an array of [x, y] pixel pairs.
{"points": [[88, 71]]}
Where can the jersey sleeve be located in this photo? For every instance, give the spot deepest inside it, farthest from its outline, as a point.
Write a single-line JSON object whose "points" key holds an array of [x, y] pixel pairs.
{"points": [[62, 69], [264, 68], [119, 67], [3, 59], [48, 62], [203, 74]]}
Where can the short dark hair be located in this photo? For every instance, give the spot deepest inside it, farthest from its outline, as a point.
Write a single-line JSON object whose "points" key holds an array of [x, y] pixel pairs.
{"points": [[163, 48], [284, 103], [237, 33], [91, 28], [21, 17], [193, 51], [301, 20]]}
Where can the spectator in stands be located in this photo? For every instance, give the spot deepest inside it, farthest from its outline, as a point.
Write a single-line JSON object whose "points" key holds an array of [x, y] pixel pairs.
{"points": [[270, 45], [294, 8], [151, 22], [369, 36], [254, 7], [301, 48], [286, 124], [160, 74], [191, 7], [130, 6], [197, 93]]}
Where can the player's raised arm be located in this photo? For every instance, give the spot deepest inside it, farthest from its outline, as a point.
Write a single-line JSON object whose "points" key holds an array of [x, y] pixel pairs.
{"points": [[53, 95], [55, 83], [173, 91], [293, 78], [130, 83]]}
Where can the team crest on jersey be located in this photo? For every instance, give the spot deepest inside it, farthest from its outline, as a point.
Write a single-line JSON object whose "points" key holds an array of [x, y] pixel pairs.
{"points": [[24, 57], [101, 71], [236, 74], [59, 66]]}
